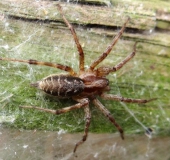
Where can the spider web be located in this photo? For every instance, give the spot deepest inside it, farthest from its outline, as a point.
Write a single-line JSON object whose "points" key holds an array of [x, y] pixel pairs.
{"points": [[29, 134]]}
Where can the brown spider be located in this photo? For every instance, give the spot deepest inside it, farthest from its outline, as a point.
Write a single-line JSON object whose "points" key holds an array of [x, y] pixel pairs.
{"points": [[85, 85]]}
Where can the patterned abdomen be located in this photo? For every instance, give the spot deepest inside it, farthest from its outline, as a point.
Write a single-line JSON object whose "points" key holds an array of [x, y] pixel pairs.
{"points": [[61, 85]]}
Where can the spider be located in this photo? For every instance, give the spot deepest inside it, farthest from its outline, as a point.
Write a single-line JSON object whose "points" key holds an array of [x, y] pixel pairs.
{"points": [[83, 86]]}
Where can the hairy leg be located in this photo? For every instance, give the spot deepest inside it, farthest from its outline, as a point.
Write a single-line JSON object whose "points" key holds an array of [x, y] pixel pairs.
{"points": [[122, 99], [104, 71], [106, 112], [80, 50], [82, 102], [35, 62], [109, 48], [87, 124]]}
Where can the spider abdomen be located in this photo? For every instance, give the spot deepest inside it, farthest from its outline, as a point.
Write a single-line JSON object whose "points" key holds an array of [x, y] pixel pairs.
{"points": [[61, 85]]}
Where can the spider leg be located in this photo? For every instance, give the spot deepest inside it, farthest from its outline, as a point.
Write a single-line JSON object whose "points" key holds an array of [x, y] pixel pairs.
{"points": [[128, 58], [79, 47], [87, 124], [35, 62], [103, 71], [106, 112], [122, 99], [109, 48], [83, 102]]}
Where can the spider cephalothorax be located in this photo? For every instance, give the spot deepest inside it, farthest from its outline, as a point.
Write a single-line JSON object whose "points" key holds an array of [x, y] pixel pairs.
{"points": [[83, 86]]}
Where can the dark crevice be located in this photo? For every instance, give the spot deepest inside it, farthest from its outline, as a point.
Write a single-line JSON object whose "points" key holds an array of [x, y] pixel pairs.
{"points": [[97, 26], [84, 2]]}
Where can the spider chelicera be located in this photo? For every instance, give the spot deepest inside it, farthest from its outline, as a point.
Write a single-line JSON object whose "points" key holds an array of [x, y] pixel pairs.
{"points": [[85, 85]]}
